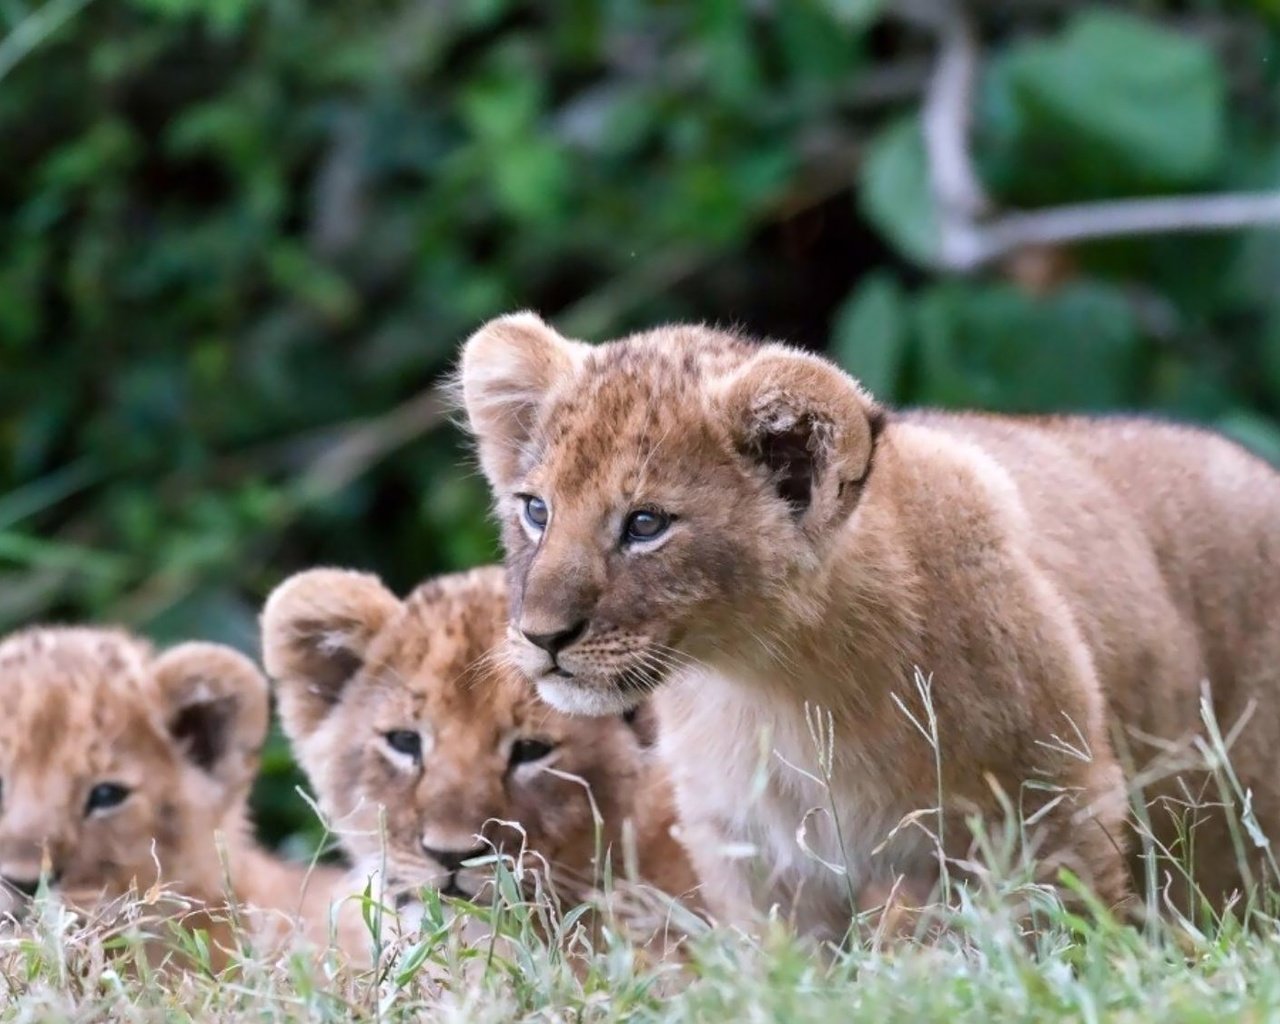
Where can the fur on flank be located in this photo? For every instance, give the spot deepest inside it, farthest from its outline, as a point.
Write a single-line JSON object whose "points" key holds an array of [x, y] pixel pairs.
{"points": [[1067, 585]]}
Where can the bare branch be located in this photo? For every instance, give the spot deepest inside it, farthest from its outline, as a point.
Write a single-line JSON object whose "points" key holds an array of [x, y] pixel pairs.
{"points": [[1086, 221], [970, 236], [366, 443], [34, 29], [947, 114]]}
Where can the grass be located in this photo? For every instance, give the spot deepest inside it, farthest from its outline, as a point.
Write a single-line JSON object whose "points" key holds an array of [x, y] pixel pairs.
{"points": [[985, 966], [1002, 949]]}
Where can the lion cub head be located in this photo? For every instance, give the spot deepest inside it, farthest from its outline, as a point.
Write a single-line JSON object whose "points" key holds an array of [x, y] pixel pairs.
{"points": [[652, 489], [117, 762], [426, 748]]}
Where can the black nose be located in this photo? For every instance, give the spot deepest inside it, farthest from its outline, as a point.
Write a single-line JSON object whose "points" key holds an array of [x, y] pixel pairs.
{"points": [[451, 860], [554, 643], [26, 886]]}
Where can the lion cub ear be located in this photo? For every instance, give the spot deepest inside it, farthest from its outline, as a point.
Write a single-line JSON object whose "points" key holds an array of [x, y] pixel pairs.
{"points": [[214, 702], [809, 427], [316, 630], [507, 369]]}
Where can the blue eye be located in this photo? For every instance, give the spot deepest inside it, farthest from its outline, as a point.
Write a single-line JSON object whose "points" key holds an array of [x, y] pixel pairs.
{"points": [[536, 513], [645, 525], [104, 796]]}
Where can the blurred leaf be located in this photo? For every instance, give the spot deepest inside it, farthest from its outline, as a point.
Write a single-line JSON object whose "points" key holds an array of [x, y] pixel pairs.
{"points": [[217, 614], [895, 192], [870, 335], [995, 347], [222, 15], [530, 179], [317, 286], [856, 13], [1271, 352], [1119, 100], [45, 492], [1260, 434]]}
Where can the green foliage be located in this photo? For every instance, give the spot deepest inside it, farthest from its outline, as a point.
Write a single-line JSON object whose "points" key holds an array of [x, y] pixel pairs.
{"points": [[235, 235], [895, 192], [872, 332], [996, 346], [1115, 103]]}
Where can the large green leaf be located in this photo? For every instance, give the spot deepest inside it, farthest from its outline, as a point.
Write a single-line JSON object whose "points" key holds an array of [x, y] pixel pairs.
{"points": [[870, 335], [1260, 434], [996, 347], [1114, 102], [895, 194]]}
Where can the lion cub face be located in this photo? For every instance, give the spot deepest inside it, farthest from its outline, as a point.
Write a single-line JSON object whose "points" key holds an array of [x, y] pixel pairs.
{"points": [[651, 490], [116, 761], [425, 747]]}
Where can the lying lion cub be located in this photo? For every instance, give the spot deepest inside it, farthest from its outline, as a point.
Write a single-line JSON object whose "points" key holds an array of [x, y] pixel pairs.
{"points": [[429, 751], [120, 767], [744, 528]]}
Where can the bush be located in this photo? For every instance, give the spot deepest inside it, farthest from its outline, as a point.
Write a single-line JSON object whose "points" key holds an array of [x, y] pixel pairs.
{"points": [[237, 234]]}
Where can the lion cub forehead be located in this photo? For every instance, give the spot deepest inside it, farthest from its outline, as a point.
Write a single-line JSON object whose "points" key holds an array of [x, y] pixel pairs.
{"points": [[63, 685], [102, 662], [447, 644], [633, 399], [667, 368]]}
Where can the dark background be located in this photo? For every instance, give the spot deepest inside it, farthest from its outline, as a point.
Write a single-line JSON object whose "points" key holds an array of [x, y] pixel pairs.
{"points": [[240, 241]]}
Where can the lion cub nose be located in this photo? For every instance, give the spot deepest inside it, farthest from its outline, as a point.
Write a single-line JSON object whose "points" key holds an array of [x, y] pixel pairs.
{"points": [[452, 860], [554, 643]]}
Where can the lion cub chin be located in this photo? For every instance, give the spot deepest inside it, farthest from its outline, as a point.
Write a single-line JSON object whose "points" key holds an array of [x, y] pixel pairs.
{"points": [[848, 613], [126, 770], [433, 756]]}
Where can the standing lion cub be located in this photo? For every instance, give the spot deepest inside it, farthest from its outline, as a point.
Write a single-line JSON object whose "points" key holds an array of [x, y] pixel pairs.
{"points": [[429, 751], [742, 529], [121, 767]]}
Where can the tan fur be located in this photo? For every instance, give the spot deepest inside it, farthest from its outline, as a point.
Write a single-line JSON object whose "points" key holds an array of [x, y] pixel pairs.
{"points": [[1061, 581], [181, 730], [353, 663]]}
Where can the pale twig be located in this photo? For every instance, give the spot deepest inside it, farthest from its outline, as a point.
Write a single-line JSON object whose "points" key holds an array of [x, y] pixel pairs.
{"points": [[368, 442], [970, 235], [34, 29]]}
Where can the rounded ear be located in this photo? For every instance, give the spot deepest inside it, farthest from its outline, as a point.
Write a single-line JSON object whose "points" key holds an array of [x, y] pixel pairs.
{"points": [[507, 369], [214, 702], [809, 427], [316, 630]]}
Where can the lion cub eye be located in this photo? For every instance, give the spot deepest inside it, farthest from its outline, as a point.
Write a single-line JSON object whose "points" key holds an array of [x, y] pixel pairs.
{"points": [[404, 741], [526, 751], [536, 513], [104, 796], [645, 524]]}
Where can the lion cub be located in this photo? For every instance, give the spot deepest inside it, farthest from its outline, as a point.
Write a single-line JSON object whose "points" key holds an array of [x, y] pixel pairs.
{"points": [[428, 750], [120, 767], [743, 529]]}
